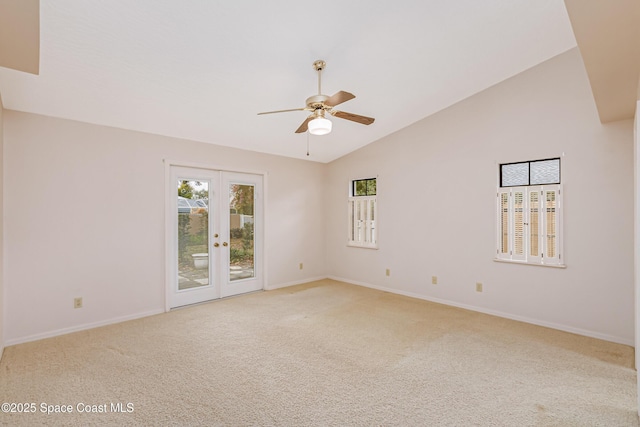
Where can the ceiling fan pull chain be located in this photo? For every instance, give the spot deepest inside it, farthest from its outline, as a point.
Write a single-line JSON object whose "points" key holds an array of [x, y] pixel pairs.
{"points": [[307, 143]]}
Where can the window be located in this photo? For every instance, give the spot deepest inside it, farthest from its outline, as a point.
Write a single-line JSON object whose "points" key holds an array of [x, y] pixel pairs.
{"points": [[534, 172], [363, 215], [529, 220], [363, 187]]}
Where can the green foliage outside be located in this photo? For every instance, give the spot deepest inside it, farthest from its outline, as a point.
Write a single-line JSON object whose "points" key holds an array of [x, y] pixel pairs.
{"points": [[241, 251], [241, 239], [201, 194], [191, 243], [247, 237], [185, 190], [242, 199], [365, 187], [184, 238]]}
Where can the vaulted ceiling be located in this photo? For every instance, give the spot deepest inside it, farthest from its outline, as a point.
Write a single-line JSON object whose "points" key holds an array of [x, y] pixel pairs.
{"points": [[202, 70], [608, 33]]}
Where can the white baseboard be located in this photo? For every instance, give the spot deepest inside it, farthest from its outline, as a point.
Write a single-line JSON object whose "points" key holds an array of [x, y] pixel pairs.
{"points": [[86, 326], [571, 329], [82, 327], [584, 332], [298, 282]]}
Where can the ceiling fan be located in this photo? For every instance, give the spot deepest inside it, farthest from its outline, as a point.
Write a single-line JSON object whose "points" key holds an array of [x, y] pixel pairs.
{"points": [[320, 104]]}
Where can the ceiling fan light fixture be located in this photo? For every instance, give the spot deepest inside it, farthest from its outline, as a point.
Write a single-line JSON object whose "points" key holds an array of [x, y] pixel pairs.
{"points": [[319, 126], [316, 123]]}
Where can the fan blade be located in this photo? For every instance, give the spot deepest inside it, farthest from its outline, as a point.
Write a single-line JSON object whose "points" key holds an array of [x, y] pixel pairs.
{"points": [[353, 117], [338, 98], [303, 126], [282, 111]]}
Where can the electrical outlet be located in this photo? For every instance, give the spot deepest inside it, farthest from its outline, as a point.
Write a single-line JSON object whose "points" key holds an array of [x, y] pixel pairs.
{"points": [[478, 287], [388, 272], [301, 266], [77, 303], [434, 280]]}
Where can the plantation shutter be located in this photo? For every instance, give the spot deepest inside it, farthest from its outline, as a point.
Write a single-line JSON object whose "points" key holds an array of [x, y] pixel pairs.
{"points": [[360, 213], [519, 201], [362, 221], [535, 224], [372, 221], [503, 247], [351, 219], [366, 222], [551, 225]]}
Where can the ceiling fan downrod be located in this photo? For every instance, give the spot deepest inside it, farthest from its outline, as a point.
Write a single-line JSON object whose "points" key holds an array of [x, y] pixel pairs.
{"points": [[319, 66]]}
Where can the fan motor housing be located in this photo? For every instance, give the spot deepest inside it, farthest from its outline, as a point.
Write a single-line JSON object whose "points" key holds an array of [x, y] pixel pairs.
{"points": [[316, 101]]}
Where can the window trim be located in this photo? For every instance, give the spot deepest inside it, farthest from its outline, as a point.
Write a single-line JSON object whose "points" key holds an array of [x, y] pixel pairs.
{"points": [[373, 226], [525, 258], [510, 261]]}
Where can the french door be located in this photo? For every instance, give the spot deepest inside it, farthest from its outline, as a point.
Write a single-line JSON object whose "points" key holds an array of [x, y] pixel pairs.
{"points": [[214, 230]]}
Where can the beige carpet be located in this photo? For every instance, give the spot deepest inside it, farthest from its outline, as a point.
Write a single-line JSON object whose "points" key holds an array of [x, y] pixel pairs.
{"points": [[323, 354]]}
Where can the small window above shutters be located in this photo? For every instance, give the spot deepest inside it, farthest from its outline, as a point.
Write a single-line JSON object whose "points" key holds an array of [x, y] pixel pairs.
{"points": [[545, 172], [535, 172], [514, 174]]}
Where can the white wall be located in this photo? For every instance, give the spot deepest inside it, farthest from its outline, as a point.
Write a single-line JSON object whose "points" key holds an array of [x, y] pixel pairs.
{"points": [[636, 197], [437, 201], [84, 212], [1, 230]]}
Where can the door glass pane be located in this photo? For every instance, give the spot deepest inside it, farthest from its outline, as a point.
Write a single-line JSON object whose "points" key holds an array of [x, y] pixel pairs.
{"points": [[241, 216], [193, 234]]}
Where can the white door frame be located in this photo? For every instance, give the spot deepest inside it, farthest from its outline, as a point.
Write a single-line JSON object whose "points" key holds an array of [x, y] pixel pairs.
{"points": [[210, 290], [261, 238], [230, 287]]}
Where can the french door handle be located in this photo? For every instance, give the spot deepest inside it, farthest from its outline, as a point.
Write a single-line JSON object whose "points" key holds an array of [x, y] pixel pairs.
{"points": [[225, 244]]}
